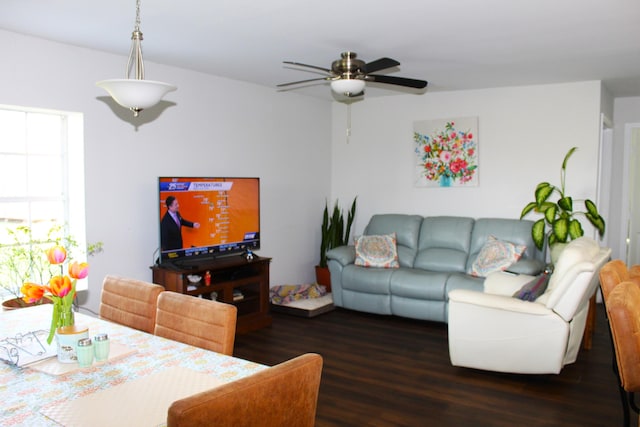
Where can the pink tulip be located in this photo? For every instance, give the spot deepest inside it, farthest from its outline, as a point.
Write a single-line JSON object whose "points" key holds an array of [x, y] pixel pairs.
{"points": [[56, 254], [60, 286], [78, 270]]}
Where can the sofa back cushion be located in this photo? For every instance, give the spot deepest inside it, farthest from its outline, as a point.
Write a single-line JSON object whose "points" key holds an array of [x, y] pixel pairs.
{"points": [[516, 231], [406, 228], [444, 243]]}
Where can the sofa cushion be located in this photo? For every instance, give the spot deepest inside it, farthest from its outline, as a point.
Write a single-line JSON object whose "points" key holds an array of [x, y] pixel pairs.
{"points": [[407, 229], [367, 280], [419, 284], [516, 231], [377, 251], [495, 255], [444, 243]]}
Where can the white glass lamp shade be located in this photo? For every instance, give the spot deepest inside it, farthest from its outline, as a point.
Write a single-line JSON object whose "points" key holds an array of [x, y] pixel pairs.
{"points": [[347, 86], [136, 94]]}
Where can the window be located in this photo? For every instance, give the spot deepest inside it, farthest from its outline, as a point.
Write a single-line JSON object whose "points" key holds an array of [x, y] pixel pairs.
{"points": [[41, 182]]}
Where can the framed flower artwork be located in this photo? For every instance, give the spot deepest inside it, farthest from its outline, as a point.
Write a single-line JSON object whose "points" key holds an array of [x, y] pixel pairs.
{"points": [[446, 152]]}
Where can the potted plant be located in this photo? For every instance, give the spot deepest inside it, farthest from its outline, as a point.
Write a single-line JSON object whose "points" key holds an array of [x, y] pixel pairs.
{"points": [[334, 234], [560, 222], [24, 259]]}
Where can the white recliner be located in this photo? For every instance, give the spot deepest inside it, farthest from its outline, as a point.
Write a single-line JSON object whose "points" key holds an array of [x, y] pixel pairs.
{"points": [[492, 330]]}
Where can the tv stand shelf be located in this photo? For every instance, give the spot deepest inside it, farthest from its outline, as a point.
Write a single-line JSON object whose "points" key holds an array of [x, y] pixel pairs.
{"points": [[233, 273]]}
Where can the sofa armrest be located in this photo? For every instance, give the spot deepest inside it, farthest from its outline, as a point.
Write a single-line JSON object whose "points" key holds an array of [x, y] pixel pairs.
{"points": [[529, 266], [345, 255], [497, 302]]}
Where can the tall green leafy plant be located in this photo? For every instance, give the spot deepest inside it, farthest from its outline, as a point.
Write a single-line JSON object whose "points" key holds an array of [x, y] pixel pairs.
{"points": [[559, 216], [334, 230]]}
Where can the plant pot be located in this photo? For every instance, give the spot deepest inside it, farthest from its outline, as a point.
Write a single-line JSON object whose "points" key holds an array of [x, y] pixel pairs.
{"points": [[323, 277], [17, 303]]}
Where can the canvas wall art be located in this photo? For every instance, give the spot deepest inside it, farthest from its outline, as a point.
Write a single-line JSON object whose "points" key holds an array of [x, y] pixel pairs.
{"points": [[446, 152]]}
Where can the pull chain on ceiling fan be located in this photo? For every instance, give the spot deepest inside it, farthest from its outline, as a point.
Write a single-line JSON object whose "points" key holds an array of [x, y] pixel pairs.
{"points": [[348, 75]]}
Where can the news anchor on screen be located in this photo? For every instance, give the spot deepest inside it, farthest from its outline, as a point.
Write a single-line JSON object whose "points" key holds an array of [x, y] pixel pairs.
{"points": [[171, 226]]}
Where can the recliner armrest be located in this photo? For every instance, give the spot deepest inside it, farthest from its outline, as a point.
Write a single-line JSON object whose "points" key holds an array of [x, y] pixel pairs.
{"points": [[503, 283], [498, 302], [345, 255]]}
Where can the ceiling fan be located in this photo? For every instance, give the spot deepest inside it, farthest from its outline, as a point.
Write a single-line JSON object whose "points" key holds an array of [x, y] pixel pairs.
{"points": [[349, 74]]}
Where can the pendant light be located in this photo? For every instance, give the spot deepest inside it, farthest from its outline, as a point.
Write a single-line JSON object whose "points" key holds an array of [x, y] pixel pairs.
{"points": [[136, 93]]}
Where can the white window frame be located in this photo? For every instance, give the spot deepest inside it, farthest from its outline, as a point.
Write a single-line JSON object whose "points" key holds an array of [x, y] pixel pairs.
{"points": [[72, 160]]}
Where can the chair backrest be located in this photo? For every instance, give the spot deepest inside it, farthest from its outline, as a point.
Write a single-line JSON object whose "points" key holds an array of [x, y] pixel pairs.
{"points": [[282, 395], [129, 302], [623, 310], [615, 272], [195, 321], [575, 277]]}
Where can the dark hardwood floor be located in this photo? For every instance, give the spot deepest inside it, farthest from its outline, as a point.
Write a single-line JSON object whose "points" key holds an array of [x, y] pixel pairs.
{"points": [[390, 371]]}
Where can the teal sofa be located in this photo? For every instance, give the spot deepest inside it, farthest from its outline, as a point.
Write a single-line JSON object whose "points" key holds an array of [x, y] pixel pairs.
{"points": [[434, 254]]}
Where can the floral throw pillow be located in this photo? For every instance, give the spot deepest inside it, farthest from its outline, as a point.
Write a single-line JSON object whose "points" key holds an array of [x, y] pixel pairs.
{"points": [[495, 255], [377, 251]]}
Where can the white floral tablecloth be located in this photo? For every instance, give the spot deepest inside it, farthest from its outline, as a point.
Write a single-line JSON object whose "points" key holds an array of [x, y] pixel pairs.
{"points": [[25, 393]]}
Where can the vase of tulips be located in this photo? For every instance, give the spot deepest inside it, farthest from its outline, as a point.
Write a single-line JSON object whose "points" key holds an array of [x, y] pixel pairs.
{"points": [[61, 290]]}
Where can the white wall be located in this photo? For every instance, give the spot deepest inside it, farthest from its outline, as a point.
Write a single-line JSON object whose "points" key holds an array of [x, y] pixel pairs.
{"points": [[216, 127], [524, 133]]}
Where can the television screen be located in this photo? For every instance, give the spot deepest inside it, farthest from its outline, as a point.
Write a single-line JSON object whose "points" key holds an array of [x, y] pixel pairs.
{"points": [[202, 218]]}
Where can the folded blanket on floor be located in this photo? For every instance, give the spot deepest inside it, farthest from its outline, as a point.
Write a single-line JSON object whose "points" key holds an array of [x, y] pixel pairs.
{"points": [[284, 294]]}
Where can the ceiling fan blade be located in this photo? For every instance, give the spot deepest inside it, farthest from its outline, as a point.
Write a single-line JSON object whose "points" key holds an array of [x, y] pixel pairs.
{"points": [[299, 64], [381, 64], [400, 81], [302, 81]]}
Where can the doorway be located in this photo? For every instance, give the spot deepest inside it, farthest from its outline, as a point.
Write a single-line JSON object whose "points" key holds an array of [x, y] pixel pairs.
{"points": [[633, 228]]}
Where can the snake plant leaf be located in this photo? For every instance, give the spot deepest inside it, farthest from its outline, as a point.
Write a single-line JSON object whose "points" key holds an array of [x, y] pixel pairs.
{"points": [[543, 191], [575, 229], [566, 203], [537, 233], [561, 229]]}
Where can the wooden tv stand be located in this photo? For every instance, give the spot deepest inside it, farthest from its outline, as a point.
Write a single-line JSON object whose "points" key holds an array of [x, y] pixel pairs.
{"points": [[230, 273]]}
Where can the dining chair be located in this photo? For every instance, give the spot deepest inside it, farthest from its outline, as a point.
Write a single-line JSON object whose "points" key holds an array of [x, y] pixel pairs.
{"points": [[198, 322], [282, 395], [130, 302], [615, 272], [623, 311]]}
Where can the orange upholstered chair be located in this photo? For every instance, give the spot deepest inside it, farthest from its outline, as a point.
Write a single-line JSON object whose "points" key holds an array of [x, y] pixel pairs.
{"points": [[129, 302], [282, 395], [199, 322], [623, 311], [615, 272]]}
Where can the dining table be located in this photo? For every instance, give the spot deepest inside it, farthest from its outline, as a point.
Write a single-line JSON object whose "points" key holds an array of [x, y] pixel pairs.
{"points": [[135, 386]]}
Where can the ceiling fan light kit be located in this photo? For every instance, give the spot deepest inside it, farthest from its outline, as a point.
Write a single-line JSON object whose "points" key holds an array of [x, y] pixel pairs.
{"points": [[348, 87], [136, 93], [348, 75]]}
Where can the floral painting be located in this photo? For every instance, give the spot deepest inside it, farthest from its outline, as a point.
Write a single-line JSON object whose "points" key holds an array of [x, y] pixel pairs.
{"points": [[446, 152]]}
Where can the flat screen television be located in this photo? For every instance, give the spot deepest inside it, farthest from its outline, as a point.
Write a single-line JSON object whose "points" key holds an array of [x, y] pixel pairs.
{"points": [[204, 218]]}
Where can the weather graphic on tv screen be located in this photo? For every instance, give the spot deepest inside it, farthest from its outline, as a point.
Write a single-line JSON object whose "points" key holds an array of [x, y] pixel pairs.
{"points": [[209, 214]]}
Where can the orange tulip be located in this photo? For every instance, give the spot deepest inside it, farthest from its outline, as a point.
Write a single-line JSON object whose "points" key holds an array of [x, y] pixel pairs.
{"points": [[32, 292], [56, 254], [60, 286], [78, 270]]}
